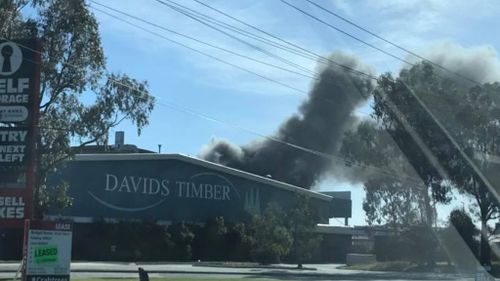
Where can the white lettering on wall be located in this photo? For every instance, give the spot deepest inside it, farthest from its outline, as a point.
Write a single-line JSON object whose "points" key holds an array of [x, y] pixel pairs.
{"points": [[132, 184], [207, 191], [110, 178], [161, 187]]}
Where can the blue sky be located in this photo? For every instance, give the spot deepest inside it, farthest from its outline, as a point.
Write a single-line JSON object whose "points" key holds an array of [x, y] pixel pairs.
{"points": [[191, 81]]}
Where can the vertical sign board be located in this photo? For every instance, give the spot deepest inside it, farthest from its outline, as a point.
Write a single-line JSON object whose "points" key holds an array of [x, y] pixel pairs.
{"points": [[19, 94], [47, 251]]}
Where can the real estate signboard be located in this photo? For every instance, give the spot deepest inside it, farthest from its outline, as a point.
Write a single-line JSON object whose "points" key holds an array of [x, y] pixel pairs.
{"points": [[47, 251]]}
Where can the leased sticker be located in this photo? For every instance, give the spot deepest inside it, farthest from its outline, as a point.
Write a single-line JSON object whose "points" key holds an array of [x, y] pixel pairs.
{"points": [[45, 254]]}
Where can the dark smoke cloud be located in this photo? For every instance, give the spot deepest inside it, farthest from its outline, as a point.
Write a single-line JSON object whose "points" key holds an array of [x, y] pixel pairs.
{"points": [[319, 124], [479, 63]]}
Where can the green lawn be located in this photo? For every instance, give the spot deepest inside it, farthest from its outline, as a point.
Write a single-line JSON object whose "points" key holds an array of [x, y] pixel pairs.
{"points": [[402, 266], [166, 279], [399, 266], [176, 279]]}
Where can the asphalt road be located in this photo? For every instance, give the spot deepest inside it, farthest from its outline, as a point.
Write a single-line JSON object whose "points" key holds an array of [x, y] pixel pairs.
{"points": [[187, 270]]}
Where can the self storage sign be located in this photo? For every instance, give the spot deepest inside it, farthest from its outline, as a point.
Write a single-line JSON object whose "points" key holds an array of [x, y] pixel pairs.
{"points": [[13, 146], [12, 207], [19, 84], [14, 204], [48, 252], [19, 98]]}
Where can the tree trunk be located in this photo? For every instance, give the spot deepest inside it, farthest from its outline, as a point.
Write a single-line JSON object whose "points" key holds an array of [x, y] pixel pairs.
{"points": [[429, 222], [485, 251]]}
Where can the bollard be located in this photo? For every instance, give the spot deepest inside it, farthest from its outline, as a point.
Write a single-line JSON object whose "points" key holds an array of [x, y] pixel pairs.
{"points": [[143, 275]]}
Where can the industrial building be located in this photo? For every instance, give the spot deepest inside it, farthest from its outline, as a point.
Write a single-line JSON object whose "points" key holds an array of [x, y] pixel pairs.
{"points": [[122, 182], [173, 187]]}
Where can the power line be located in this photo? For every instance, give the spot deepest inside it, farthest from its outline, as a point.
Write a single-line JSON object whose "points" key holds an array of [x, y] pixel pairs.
{"points": [[243, 32], [198, 40], [346, 33], [183, 12], [203, 53], [240, 40], [357, 39], [319, 58], [315, 55], [262, 50], [305, 53], [239, 67], [270, 138], [343, 66], [291, 145], [296, 51], [386, 40], [331, 157]]}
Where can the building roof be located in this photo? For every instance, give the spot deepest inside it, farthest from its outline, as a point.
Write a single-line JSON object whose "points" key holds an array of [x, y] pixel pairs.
{"points": [[203, 163], [109, 149]]}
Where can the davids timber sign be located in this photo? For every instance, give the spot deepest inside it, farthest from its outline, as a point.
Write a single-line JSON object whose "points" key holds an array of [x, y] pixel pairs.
{"points": [[215, 187], [169, 188]]}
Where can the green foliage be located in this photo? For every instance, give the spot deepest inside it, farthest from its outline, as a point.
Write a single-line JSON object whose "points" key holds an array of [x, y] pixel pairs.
{"points": [[417, 244], [119, 241], [210, 240], [180, 238], [462, 222], [407, 123], [390, 199], [270, 236], [302, 220], [422, 244], [471, 115], [237, 242], [148, 241], [459, 239], [79, 100], [392, 203]]}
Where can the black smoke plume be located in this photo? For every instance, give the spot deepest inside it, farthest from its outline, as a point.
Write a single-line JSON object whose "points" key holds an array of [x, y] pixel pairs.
{"points": [[319, 125]]}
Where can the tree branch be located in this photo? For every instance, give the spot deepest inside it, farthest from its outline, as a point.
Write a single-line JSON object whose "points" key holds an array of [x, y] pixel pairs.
{"points": [[58, 89], [66, 156]]}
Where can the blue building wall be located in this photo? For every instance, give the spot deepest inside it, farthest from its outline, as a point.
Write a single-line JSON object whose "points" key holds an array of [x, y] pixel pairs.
{"points": [[172, 188]]}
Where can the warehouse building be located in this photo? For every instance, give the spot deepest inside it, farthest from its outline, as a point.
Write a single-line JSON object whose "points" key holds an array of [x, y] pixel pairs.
{"points": [[124, 183], [173, 187]]}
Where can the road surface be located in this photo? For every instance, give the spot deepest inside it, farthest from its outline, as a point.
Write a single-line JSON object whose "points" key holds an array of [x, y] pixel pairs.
{"points": [[188, 270]]}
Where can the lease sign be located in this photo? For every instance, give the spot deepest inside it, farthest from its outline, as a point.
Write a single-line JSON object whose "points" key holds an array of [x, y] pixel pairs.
{"points": [[48, 251]]}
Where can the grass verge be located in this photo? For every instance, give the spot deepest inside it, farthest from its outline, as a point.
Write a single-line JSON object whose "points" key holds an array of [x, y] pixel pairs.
{"points": [[399, 266], [403, 266], [167, 279]]}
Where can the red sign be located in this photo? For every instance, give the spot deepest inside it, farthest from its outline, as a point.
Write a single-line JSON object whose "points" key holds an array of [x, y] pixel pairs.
{"points": [[19, 98], [15, 205]]}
